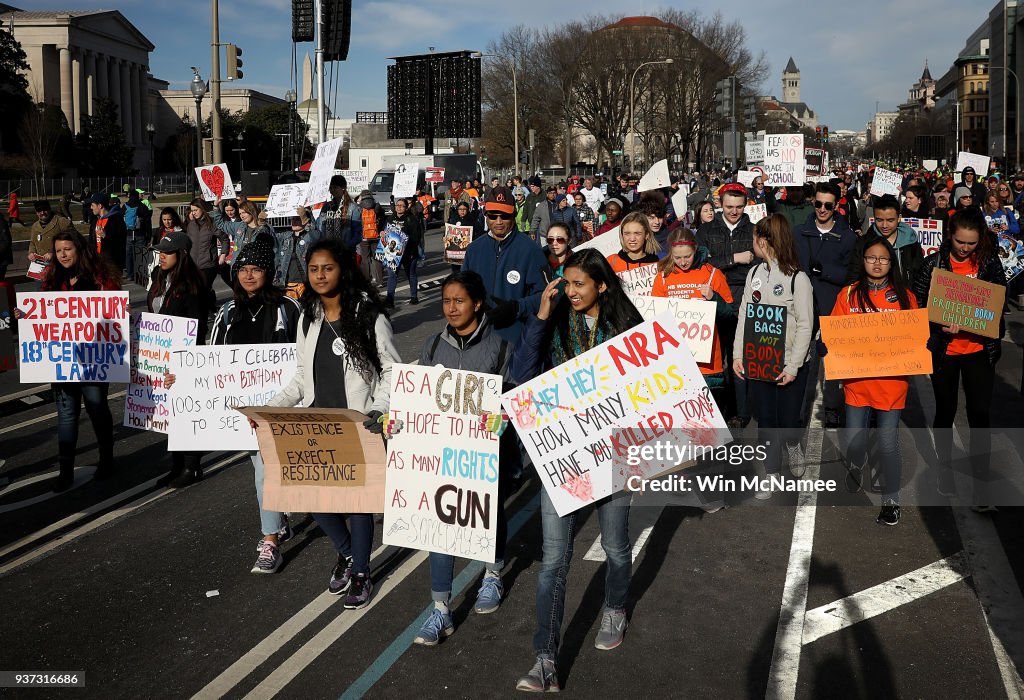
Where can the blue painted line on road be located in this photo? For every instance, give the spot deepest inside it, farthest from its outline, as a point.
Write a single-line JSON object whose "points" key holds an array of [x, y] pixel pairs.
{"points": [[403, 641]]}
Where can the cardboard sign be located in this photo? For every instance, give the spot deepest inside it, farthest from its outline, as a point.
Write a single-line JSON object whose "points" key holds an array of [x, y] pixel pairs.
{"points": [[583, 421], [696, 318], [456, 240], [755, 212], [746, 177], [784, 160], [679, 204], [318, 460], [147, 404], [283, 200], [405, 180], [639, 280], [442, 465], [814, 161], [321, 172], [390, 246], [973, 305], [754, 152], [355, 181], [980, 163], [213, 381], [434, 174], [1011, 254], [215, 182], [655, 178], [608, 243], [929, 233], [764, 341], [886, 344], [74, 337], [8, 349], [885, 182]]}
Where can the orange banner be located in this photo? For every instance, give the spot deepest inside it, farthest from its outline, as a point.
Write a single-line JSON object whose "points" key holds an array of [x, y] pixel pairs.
{"points": [[885, 344]]}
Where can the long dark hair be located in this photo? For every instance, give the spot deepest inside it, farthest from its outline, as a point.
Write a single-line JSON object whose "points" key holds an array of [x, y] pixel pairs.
{"points": [[616, 312], [360, 305], [90, 266], [972, 219], [175, 218], [861, 287], [182, 279]]}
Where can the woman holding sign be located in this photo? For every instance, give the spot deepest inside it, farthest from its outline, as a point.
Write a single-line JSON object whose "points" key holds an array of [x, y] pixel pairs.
{"points": [[879, 288], [968, 249], [639, 247], [344, 351], [592, 309], [79, 268], [777, 305]]}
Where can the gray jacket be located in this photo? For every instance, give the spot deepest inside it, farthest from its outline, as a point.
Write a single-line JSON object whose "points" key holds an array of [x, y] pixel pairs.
{"points": [[482, 352]]}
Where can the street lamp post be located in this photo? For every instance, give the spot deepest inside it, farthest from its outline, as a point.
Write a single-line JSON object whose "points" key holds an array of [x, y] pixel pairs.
{"points": [[1016, 114], [198, 88], [150, 131], [515, 104], [632, 105], [290, 96], [241, 150]]}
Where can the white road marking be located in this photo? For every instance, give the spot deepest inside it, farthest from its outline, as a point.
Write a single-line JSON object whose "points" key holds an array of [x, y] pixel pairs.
{"points": [[38, 389], [596, 552], [643, 518], [82, 476], [48, 416], [874, 601], [31, 399]]}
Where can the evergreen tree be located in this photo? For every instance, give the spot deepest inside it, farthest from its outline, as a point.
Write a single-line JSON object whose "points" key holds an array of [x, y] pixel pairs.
{"points": [[101, 145], [14, 97]]}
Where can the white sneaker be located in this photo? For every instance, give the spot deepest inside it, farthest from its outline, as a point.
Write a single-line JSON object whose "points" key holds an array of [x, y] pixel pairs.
{"points": [[269, 559]]}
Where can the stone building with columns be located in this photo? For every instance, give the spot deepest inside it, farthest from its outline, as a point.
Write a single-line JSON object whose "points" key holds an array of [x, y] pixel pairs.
{"points": [[77, 56]]}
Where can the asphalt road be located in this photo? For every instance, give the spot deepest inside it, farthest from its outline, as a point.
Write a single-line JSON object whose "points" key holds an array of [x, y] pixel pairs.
{"points": [[148, 590]]}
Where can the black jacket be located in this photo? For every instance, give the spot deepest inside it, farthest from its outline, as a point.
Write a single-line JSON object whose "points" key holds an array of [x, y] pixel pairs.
{"points": [[180, 303], [990, 270], [909, 254], [722, 245], [830, 252], [411, 224]]}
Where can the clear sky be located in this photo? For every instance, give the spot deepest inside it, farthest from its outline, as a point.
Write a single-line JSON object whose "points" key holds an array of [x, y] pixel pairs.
{"points": [[850, 54]]}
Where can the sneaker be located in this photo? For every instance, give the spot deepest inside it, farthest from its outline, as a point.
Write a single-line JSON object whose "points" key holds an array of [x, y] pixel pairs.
{"points": [[341, 577], [359, 593], [269, 559], [763, 494], [797, 464], [613, 627], [890, 514], [946, 485], [285, 533], [414, 302], [489, 597], [437, 627], [831, 419], [389, 304], [542, 678]]}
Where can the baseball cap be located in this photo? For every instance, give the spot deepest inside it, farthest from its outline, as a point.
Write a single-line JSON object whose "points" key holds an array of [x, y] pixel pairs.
{"points": [[173, 243], [500, 199]]}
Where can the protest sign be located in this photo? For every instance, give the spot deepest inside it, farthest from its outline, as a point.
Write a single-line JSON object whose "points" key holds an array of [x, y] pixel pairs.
{"points": [[147, 404], [887, 344], [215, 182], [754, 151], [212, 381], [679, 204], [967, 159], [655, 178], [746, 177], [755, 212], [885, 182], [284, 200], [318, 460], [456, 240], [696, 318], [74, 337], [390, 246], [434, 174], [814, 161], [1011, 254], [608, 243], [321, 172], [973, 305], [930, 164], [8, 349], [442, 465], [929, 233], [583, 421], [764, 341], [784, 159], [405, 180], [639, 280], [38, 267], [355, 181]]}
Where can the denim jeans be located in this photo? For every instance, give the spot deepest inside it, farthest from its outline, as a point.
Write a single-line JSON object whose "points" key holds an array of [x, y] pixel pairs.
{"points": [[888, 432], [69, 398], [777, 409], [271, 522], [613, 517], [410, 273], [350, 540]]}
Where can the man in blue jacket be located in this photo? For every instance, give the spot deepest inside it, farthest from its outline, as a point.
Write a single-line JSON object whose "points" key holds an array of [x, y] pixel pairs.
{"points": [[824, 244], [512, 266]]}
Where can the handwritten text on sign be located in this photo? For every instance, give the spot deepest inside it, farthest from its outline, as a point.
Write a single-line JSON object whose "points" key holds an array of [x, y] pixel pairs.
{"points": [[147, 404], [442, 475], [74, 336], [764, 342], [784, 159], [696, 318], [638, 280], [212, 381], [888, 344], [321, 171], [973, 305], [579, 419]]}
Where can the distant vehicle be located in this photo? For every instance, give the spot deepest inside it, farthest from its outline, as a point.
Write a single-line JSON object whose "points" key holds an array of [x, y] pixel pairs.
{"points": [[456, 166]]}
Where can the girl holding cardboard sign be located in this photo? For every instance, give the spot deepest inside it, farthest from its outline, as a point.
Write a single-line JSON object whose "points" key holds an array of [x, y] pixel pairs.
{"points": [[639, 246]]}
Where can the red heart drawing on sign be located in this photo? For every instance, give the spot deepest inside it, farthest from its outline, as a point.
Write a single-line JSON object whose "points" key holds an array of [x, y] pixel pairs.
{"points": [[214, 179]]}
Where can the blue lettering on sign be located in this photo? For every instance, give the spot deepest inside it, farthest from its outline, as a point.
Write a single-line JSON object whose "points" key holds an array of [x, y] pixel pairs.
{"points": [[547, 400], [582, 381]]}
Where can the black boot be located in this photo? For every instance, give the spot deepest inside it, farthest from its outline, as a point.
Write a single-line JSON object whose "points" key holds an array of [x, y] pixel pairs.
{"points": [[105, 467], [177, 470], [187, 478], [66, 452]]}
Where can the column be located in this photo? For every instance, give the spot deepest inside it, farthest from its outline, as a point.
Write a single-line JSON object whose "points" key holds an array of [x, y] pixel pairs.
{"points": [[114, 93], [126, 102], [102, 76], [91, 90], [66, 93], [138, 101], [76, 87]]}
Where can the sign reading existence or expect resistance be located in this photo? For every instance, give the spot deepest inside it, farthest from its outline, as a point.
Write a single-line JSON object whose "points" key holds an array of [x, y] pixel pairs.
{"points": [[212, 381], [888, 344], [318, 460], [284, 200], [442, 465], [147, 404], [764, 341], [74, 337], [973, 305], [579, 420]]}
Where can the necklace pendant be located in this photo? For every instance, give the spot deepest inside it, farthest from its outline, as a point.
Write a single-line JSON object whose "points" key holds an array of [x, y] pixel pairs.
{"points": [[337, 347]]}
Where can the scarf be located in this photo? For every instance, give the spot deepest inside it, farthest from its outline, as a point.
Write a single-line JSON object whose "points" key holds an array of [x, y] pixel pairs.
{"points": [[581, 338]]}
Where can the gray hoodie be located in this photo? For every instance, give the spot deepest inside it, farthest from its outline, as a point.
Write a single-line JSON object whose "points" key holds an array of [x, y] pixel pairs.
{"points": [[781, 290]]}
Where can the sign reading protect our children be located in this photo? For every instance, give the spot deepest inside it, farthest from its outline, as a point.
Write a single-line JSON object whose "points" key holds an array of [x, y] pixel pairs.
{"points": [[147, 404], [764, 342], [582, 421], [74, 337], [442, 465], [973, 305]]}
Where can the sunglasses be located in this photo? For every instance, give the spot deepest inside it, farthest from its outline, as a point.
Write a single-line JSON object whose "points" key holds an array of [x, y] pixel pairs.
{"points": [[827, 206], [500, 215], [558, 240]]}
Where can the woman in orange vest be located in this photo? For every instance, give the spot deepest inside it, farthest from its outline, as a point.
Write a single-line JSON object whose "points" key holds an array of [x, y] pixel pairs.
{"points": [[639, 247]]}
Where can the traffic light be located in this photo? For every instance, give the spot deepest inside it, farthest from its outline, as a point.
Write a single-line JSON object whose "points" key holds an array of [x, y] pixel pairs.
{"points": [[234, 70], [824, 132], [817, 131], [723, 97], [750, 111]]}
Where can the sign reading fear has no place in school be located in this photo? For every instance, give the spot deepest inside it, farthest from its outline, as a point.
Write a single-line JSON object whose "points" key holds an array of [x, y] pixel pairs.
{"points": [[74, 337], [147, 404], [582, 421], [764, 342], [442, 473]]}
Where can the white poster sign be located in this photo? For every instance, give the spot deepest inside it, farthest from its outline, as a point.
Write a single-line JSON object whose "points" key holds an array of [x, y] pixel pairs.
{"points": [[655, 178], [639, 280], [973, 160], [784, 160], [321, 172], [405, 180], [608, 243], [885, 182], [679, 204], [696, 319], [215, 182], [754, 152], [284, 200], [755, 212], [746, 177], [355, 181]]}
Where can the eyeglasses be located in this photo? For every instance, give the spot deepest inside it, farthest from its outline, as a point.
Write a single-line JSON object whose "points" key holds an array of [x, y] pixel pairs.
{"points": [[500, 215], [558, 240], [876, 260], [827, 206], [250, 270]]}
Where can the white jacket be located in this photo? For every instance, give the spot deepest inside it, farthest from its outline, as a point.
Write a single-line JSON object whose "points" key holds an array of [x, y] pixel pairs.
{"points": [[363, 392]]}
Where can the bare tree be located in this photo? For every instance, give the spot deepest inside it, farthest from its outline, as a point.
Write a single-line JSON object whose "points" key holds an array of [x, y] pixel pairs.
{"points": [[41, 130]]}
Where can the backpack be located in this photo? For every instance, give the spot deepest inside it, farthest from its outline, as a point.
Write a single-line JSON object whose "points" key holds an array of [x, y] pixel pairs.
{"points": [[131, 218], [816, 325], [370, 229]]}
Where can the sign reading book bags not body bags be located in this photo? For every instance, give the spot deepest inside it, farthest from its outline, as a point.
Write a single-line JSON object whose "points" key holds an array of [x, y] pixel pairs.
{"points": [[764, 342]]}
